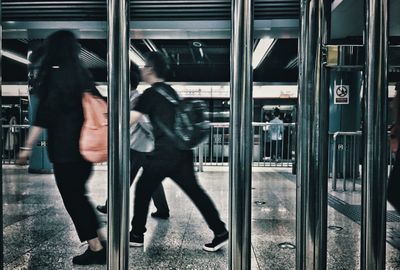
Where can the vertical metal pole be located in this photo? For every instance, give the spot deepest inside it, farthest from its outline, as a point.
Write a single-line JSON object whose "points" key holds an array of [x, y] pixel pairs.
{"points": [[241, 143], [373, 234], [344, 161], [312, 136], [118, 111], [201, 157], [1, 150], [334, 163]]}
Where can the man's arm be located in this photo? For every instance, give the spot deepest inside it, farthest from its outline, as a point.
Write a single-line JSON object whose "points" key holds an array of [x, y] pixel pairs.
{"points": [[134, 117]]}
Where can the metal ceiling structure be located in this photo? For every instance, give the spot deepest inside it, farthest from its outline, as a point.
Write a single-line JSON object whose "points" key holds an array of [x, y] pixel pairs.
{"points": [[172, 26], [96, 10]]}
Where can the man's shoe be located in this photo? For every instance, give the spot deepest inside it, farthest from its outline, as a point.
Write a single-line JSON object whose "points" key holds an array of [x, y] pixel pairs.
{"points": [[91, 257], [218, 242], [102, 209], [160, 215], [136, 240]]}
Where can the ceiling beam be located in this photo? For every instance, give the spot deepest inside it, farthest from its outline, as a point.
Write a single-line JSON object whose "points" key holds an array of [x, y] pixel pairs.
{"points": [[221, 29]]}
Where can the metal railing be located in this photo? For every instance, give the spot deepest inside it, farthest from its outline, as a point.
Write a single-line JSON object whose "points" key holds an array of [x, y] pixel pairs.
{"points": [[13, 138], [345, 158], [273, 145], [348, 143], [267, 152]]}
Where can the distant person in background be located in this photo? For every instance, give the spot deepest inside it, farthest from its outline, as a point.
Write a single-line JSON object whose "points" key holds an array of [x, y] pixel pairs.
{"points": [[141, 144], [62, 80], [276, 131], [393, 191]]}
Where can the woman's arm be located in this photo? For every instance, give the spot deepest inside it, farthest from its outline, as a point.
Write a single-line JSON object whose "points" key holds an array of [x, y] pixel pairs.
{"points": [[26, 150]]}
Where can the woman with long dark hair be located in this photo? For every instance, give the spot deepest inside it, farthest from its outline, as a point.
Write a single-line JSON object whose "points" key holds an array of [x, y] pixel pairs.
{"points": [[61, 81], [393, 193]]}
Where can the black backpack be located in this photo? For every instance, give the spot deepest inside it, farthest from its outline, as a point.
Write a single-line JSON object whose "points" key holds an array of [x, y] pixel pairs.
{"points": [[191, 126]]}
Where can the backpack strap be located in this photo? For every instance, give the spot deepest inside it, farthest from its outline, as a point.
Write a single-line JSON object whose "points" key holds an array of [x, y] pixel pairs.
{"points": [[162, 92], [166, 130]]}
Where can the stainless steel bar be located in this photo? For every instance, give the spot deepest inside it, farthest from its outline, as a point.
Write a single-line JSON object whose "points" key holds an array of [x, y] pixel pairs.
{"points": [[344, 161], [241, 143], [312, 137], [1, 149], [201, 157], [212, 146], [355, 162], [373, 228], [223, 146], [334, 179], [118, 146], [280, 153], [270, 149], [265, 144], [219, 146]]}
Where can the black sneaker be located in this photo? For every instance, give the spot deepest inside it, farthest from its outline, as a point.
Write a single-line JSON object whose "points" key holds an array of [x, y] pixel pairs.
{"points": [[91, 257], [160, 215], [102, 209], [218, 242], [135, 240]]}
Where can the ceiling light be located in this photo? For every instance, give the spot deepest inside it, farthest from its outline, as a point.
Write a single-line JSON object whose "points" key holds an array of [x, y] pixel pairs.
{"points": [[150, 44], [201, 52], [262, 50], [136, 57], [197, 44], [15, 57]]}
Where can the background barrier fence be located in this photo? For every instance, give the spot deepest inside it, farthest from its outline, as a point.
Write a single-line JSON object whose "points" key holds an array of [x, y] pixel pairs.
{"points": [[13, 138], [274, 145]]}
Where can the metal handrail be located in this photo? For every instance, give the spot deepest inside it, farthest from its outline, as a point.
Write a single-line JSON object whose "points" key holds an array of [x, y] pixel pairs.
{"points": [[335, 135]]}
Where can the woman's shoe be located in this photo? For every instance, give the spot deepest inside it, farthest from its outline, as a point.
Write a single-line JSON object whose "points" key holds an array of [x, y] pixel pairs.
{"points": [[91, 257]]}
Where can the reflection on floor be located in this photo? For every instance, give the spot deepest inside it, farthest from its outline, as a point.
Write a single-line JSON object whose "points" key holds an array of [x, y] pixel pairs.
{"points": [[39, 235]]}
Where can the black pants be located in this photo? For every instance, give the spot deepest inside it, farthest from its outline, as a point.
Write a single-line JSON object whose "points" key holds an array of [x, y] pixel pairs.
{"points": [[276, 149], [138, 160], [393, 191], [71, 179], [179, 167]]}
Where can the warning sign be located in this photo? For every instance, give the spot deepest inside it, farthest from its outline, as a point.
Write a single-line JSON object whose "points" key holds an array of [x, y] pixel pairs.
{"points": [[341, 94]]}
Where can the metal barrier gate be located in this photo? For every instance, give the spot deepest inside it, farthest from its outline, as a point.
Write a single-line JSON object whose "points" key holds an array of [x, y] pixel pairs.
{"points": [[273, 145], [13, 138], [345, 158]]}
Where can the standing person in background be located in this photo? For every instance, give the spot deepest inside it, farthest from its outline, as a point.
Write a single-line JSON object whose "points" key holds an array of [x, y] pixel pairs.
{"points": [[393, 191], [142, 143], [276, 131], [62, 80], [167, 160]]}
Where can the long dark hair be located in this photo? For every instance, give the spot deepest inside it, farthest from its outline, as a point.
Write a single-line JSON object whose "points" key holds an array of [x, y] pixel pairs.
{"points": [[61, 53]]}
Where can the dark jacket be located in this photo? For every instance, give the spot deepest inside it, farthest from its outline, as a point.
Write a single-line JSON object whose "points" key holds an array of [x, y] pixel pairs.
{"points": [[60, 112]]}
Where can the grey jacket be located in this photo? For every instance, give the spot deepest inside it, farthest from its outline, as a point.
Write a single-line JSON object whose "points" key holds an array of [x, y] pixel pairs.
{"points": [[141, 133]]}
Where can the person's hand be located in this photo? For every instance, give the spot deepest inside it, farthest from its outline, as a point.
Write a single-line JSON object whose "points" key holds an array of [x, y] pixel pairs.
{"points": [[23, 157]]}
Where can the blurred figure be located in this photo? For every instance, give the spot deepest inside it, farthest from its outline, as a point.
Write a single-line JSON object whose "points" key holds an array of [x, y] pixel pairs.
{"points": [[167, 160], [276, 131], [62, 80], [393, 191], [141, 144]]}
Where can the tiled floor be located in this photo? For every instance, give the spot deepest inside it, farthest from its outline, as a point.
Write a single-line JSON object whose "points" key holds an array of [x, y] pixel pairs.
{"points": [[38, 233]]}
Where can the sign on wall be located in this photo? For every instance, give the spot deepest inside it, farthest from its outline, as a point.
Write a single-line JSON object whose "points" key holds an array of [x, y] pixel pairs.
{"points": [[341, 95]]}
